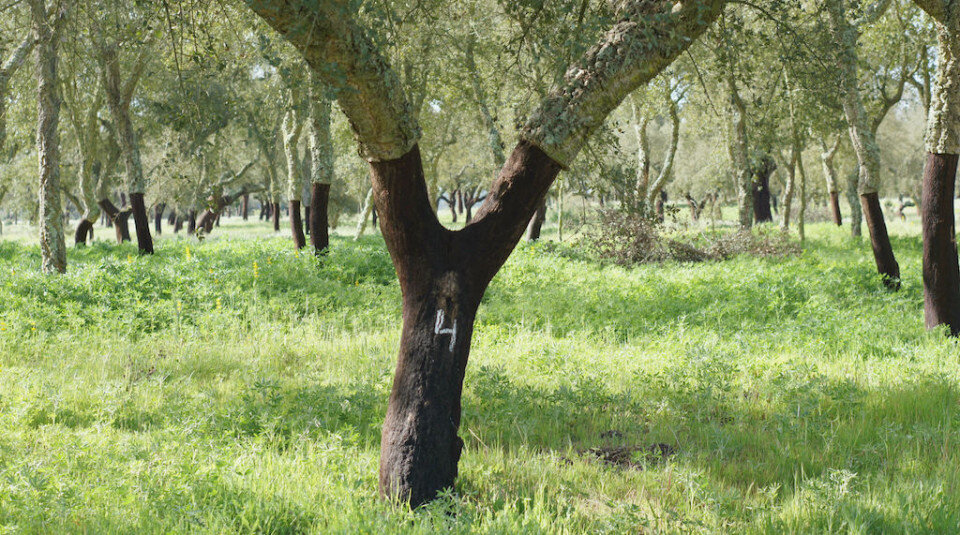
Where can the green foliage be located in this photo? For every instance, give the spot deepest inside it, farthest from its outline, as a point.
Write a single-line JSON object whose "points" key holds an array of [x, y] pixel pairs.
{"points": [[236, 386]]}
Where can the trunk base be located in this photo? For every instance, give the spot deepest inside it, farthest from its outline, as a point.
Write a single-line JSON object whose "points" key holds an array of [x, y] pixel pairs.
{"points": [[296, 225], [835, 208], [142, 223], [887, 265]]}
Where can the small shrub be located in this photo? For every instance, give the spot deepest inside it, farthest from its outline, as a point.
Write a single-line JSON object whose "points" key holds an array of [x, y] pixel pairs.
{"points": [[630, 237]]}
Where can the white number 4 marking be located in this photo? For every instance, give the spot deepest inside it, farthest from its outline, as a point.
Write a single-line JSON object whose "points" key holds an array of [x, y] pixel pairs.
{"points": [[451, 331]]}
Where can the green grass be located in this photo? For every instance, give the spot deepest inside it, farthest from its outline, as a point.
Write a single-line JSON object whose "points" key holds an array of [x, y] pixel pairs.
{"points": [[236, 386]]}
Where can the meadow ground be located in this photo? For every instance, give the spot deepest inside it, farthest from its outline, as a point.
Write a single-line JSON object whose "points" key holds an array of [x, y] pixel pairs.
{"points": [[237, 386]]}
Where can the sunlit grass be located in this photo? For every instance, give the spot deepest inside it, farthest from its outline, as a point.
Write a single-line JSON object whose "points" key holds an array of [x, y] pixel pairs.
{"points": [[237, 386]]}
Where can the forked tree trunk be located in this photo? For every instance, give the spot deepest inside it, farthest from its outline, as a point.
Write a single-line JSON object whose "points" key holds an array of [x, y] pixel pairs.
{"points": [[319, 228], [296, 225], [941, 273], [536, 222], [443, 275]]}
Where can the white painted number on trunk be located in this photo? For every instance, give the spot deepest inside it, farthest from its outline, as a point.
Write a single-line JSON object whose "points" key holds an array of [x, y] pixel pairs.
{"points": [[452, 331]]}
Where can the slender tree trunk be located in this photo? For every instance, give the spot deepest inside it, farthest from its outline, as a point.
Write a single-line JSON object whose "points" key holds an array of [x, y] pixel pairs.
{"points": [[53, 249], [319, 230], [245, 206], [158, 218], [802, 214], [865, 145], [853, 199], [192, 221], [830, 175], [364, 215], [788, 190], [118, 99], [275, 214], [296, 225]]}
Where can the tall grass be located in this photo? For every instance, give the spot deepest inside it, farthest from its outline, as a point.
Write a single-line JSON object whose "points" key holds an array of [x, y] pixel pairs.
{"points": [[237, 386]]}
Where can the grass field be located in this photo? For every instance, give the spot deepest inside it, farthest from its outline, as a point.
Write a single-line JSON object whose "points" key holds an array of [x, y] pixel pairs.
{"points": [[237, 386]]}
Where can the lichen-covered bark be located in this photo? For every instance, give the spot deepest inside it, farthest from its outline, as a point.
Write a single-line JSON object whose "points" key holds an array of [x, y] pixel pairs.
{"points": [[827, 155], [322, 154], [53, 249], [862, 135], [650, 35], [789, 188], [943, 123], [349, 62], [666, 170], [640, 123], [292, 126], [364, 215], [738, 150]]}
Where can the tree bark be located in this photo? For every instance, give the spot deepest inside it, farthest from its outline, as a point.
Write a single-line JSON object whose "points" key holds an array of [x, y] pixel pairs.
{"points": [[443, 273], [158, 218], [941, 273], [192, 221], [296, 225], [863, 139], [882, 252], [119, 219], [53, 249], [275, 215], [853, 199], [830, 176], [245, 206], [119, 97], [761, 190], [319, 228]]}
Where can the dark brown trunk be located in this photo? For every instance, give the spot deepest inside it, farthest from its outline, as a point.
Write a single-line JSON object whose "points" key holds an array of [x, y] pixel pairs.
{"points": [[178, 224], [306, 219], [216, 220], [119, 219], [319, 227], [296, 225], [192, 222], [84, 229], [941, 273], [172, 217], [453, 206], [245, 206], [142, 223], [658, 206], [123, 199], [880, 241], [443, 275], [835, 208], [373, 216], [275, 215], [536, 222], [761, 191], [158, 218]]}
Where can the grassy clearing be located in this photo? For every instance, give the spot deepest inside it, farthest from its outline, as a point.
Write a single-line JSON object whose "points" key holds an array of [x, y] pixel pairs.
{"points": [[236, 386]]}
